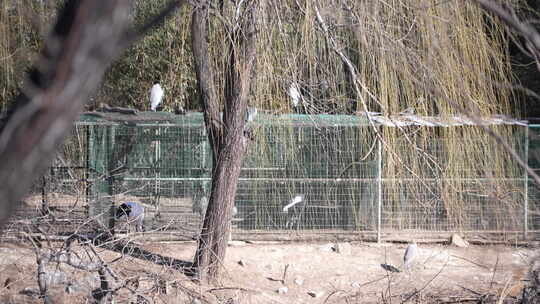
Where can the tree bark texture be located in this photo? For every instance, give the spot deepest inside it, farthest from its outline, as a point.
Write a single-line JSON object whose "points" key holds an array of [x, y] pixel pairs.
{"points": [[226, 135], [70, 67]]}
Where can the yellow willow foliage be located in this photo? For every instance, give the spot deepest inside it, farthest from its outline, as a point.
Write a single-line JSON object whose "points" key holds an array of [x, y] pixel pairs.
{"points": [[409, 55]]}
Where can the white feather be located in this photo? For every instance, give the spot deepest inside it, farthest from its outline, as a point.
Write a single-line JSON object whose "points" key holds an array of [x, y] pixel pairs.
{"points": [[294, 94], [156, 95], [297, 199]]}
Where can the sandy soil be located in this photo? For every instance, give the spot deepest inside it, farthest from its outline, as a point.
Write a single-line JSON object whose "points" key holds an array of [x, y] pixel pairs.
{"points": [[253, 272]]}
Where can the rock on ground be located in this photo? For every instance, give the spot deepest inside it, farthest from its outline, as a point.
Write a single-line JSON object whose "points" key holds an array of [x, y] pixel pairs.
{"points": [[458, 241], [316, 294], [343, 248]]}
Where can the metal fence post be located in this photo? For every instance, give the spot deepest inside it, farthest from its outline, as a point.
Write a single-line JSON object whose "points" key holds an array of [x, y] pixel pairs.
{"points": [[91, 181], [109, 163], [379, 189], [86, 170], [526, 190]]}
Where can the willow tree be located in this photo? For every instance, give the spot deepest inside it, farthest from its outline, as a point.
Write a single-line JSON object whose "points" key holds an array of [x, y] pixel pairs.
{"points": [[226, 133]]}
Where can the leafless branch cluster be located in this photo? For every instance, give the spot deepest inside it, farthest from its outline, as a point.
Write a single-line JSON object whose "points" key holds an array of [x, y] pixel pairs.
{"points": [[522, 28], [89, 260]]}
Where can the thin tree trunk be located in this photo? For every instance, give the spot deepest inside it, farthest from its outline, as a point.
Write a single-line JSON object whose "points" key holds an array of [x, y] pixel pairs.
{"points": [[226, 135], [213, 240]]}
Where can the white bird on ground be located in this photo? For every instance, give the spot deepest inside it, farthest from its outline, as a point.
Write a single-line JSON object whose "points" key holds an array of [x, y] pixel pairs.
{"points": [[297, 199], [156, 96], [294, 93], [410, 254]]}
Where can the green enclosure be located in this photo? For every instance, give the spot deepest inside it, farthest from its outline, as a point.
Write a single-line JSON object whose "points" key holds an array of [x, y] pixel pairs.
{"points": [[334, 163]]}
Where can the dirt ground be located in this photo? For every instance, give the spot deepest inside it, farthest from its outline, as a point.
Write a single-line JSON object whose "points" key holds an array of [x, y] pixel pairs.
{"points": [[315, 273]]}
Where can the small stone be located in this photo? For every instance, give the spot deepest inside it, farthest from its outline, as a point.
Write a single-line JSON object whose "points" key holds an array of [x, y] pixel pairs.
{"points": [[242, 263], [196, 301], [316, 294], [458, 241], [7, 283], [327, 247], [299, 281], [282, 290], [31, 292], [343, 248], [55, 278], [237, 243]]}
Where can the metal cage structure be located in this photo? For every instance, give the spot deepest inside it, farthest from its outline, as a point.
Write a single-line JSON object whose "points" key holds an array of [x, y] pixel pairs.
{"points": [[304, 176]]}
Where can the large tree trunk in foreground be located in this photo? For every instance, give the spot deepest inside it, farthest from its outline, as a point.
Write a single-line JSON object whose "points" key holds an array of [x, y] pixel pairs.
{"points": [[70, 67], [88, 35], [227, 135]]}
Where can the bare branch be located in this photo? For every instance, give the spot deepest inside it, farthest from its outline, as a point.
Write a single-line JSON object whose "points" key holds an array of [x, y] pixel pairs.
{"points": [[524, 29]]}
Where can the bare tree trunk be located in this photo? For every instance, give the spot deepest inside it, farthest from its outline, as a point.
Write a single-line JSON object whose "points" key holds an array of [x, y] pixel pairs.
{"points": [[227, 135]]}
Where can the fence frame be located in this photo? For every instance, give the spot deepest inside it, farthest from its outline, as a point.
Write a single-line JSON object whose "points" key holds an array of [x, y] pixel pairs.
{"points": [[379, 180]]}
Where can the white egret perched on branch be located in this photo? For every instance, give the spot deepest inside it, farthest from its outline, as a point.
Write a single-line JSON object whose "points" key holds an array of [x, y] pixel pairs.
{"points": [[156, 95], [294, 93]]}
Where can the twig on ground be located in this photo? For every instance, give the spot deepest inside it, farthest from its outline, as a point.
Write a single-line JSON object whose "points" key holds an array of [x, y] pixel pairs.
{"points": [[472, 262], [232, 288], [425, 285], [470, 290], [334, 292], [504, 291], [373, 281], [449, 300], [494, 272], [284, 274]]}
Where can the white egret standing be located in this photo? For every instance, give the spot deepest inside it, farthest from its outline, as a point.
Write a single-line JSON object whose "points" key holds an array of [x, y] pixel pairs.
{"points": [[294, 93], [410, 254], [156, 95], [297, 199], [251, 113]]}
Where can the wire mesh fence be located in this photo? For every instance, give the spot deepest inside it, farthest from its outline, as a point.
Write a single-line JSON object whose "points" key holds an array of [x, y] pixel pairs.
{"points": [[303, 175]]}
